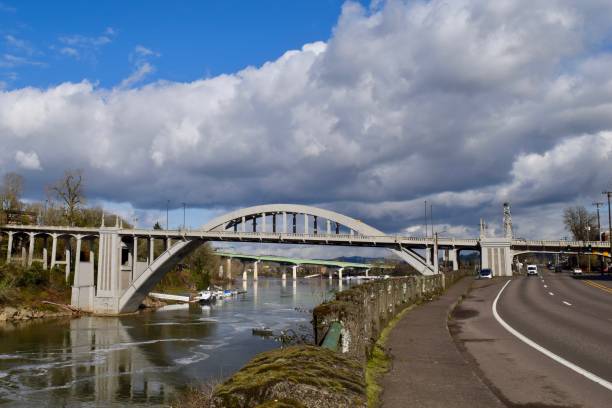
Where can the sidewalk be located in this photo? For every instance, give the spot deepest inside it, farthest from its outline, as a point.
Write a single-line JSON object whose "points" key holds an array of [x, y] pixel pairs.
{"points": [[427, 369]]}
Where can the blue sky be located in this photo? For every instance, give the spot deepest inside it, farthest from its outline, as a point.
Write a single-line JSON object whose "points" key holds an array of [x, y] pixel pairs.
{"points": [[48, 42]]}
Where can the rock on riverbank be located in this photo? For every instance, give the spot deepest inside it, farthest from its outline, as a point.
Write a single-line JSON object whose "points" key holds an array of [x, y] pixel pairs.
{"points": [[300, 376], [9, 313]]}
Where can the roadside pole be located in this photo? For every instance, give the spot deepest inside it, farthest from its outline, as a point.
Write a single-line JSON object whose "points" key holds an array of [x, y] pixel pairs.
{"points": [[608, 193]]}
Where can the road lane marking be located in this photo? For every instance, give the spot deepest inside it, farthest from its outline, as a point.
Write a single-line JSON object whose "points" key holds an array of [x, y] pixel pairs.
{"points": [[545, 286], [551, 294], [598, 286], [567, 303], [546, 352]]}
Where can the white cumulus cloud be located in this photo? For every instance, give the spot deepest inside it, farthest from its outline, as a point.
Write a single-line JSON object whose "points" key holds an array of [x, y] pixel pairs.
{"points": [[27, 160]]}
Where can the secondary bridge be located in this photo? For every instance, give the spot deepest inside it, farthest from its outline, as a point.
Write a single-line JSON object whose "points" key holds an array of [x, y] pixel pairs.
{"points": [[116, 267]]}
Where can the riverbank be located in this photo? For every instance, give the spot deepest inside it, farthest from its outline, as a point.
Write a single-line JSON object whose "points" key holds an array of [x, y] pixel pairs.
{"points": [[311, 376]]}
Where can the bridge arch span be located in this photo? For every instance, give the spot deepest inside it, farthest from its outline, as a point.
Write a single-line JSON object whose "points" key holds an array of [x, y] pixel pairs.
{"points": [[235, 218], [141, 286]]}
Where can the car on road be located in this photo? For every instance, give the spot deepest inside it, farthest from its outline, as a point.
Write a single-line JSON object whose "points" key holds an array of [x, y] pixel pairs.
{"points": [[576, 271], [485, 273], [532, 270]]}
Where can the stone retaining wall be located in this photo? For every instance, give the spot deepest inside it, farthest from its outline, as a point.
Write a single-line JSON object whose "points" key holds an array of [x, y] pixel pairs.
{"points": [[364, 310]]}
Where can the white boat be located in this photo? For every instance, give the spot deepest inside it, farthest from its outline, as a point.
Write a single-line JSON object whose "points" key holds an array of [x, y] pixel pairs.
{"points": [[205, 296]]}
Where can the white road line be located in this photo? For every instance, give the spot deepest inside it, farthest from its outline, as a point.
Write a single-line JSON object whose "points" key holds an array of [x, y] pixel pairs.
{"points": [[551, 294], [545, 286], [567, 303], [544, 351]]}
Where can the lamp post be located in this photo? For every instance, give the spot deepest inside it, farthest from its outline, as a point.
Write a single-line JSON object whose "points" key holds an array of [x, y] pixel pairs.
{"points": [[588, 230], [167, 210]]}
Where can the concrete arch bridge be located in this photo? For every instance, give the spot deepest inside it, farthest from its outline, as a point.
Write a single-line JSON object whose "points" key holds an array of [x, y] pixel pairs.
{"points": [[118, 277]]}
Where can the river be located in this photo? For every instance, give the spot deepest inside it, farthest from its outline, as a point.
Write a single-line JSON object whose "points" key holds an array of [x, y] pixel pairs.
{"points": [[144, 359]]}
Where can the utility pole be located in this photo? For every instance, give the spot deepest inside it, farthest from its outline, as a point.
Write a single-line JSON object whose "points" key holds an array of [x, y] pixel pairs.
{"points": [[426, 219], [597, 205], [431, 216], [608, 193], [167, 209]]}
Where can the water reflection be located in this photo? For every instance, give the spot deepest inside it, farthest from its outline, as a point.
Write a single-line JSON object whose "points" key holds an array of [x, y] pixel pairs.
{"points": [[143, 359]]}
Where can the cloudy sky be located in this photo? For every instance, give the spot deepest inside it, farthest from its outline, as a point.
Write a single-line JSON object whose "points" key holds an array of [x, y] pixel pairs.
{"points": [[364, 108]]}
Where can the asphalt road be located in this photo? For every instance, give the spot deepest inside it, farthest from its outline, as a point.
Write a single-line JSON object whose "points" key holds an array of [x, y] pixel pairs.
{"points": [[569, 317]]}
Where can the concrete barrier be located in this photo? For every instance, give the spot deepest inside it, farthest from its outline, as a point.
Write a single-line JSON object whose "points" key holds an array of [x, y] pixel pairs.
{"points": [[364, 310]]}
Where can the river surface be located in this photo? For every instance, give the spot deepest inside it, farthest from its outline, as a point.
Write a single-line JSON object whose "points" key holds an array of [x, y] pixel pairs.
{"points": [[143, 359]]}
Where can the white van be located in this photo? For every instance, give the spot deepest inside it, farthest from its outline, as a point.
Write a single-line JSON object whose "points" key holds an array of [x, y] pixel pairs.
{"points": [[532, 270]]}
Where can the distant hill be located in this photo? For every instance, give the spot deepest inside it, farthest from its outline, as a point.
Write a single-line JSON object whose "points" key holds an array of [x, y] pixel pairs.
{"points": [[359, 259]]}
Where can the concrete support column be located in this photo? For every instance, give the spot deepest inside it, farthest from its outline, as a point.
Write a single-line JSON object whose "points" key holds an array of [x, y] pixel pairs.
{"points": [[284, 222], [68, 256], [284, 276], [454, 258], [264, 226], [255, 270], [328, 225], [168, 243], [134, 257], [428, 256], [77, 261], [330, 273], [53, 250], [31, 249], [9, 247], [220, 271], [151, 250], [44, 254], [243, 224], [305, 223], [367, 271], [340, 273], [294, 269], [24, 256], [91, 253], [244, 273], [435, 258], [229, 268]]}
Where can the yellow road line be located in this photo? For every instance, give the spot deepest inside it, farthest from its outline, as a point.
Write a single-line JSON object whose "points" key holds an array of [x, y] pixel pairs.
{"points": [[598, 286]]}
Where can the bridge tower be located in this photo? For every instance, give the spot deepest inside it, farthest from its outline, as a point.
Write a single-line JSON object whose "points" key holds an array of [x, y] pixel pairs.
{"points": [[496, 252]]}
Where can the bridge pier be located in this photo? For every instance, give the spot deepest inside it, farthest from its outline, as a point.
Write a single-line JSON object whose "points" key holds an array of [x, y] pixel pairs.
{"points": [[294, 269], [340, 273], [496, 254], [255, 270], [454, 258], [9, 246], [229, 268], [53, 250]]}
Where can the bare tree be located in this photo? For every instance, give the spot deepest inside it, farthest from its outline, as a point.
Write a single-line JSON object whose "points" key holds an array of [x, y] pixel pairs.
{"points": [[10, 191], [580, 223], [69, 190]]}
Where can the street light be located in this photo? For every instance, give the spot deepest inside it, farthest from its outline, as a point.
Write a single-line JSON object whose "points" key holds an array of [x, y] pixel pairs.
{"points": [[167, 209]]}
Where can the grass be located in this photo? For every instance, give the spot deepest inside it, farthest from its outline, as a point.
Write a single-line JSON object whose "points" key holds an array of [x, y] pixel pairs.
{"points": [[379, 362], [307, 370]]}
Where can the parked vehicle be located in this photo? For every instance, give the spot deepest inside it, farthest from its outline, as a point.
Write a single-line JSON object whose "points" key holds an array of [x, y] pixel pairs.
{"points": [[485, 273], [532, 270], [577, 272]]}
